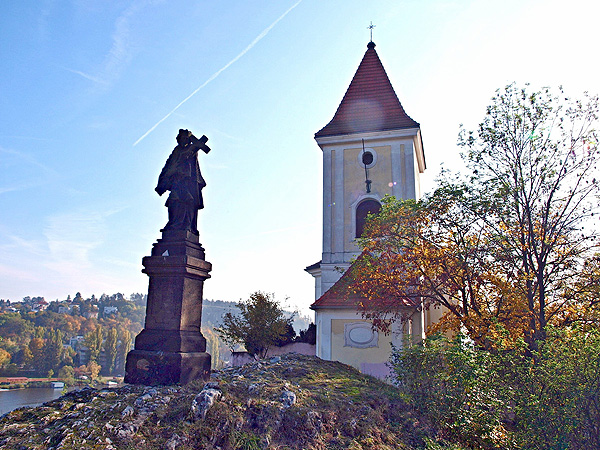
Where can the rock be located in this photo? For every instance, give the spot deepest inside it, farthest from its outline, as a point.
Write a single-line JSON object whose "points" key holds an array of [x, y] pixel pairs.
{"points": [[288, 398], [203, 401], [275, 359], [174, 442], [140, 400], [314, 422], [126, 431], [254, 389], [128, 411]]}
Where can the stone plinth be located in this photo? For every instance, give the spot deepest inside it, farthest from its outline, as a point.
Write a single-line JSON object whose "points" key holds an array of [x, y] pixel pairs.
{"points": [[171, 349]]}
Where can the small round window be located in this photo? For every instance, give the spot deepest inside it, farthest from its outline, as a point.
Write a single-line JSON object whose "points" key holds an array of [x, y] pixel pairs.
{"points": [[367, 158]]}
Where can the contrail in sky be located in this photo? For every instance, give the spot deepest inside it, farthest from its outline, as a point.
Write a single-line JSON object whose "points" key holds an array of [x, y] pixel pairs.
{"points": [[218, 72]]}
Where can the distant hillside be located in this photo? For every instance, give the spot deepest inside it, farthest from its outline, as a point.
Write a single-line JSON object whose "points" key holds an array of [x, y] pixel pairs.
{"points": [[296, 402]]}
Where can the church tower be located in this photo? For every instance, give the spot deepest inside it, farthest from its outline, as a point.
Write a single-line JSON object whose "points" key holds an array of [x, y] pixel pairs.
{"points": [[371, 148]]}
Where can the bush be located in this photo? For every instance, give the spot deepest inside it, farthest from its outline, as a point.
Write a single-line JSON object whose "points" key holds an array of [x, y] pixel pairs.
{"points": [[450, 384], [509, 398], [556, 392], [309, 335]]}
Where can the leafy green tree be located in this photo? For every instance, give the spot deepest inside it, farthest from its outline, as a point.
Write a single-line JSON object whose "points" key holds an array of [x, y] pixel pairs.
{"points": [[52, 351], [534, 165], [68, 356], [36, 348], [10, 345], [451, 385], [212, 346], [123, 348], [13, 326], [4, 357], [25, 356], [289, 335], [309, 335], [93, 369], [39, 332], [110, 350], [93, 341], [260, 324], [67, 375]]}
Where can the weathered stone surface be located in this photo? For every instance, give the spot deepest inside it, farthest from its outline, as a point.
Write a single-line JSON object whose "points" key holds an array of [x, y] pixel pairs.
{"points": [[128, 411], [254, 389], [203, 401], [163, 368], [171, 349], [287, 399], [175, 441]]}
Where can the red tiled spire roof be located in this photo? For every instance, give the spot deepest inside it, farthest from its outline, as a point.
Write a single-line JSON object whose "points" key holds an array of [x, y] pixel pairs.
{"points": [[342, 296], [370, 103]]}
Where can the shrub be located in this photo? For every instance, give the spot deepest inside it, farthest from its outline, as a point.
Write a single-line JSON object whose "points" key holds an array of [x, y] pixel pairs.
{"points": [[450, 384], [509, 398]]}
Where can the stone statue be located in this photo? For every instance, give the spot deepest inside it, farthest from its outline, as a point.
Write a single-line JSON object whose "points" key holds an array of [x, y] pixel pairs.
{"points": [[181, 175]]}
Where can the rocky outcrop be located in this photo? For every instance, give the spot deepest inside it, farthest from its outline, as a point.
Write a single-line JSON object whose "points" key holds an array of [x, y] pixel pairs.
{"points": [[292, 401]]}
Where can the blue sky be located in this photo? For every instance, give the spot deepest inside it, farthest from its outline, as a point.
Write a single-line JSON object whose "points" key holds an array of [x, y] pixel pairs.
{"points": [[92, 95]]}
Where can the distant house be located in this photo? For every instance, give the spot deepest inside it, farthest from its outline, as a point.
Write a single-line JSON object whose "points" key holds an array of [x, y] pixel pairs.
{"points": [[110, 310], [40, 305], [64, 309], [76, 341]]}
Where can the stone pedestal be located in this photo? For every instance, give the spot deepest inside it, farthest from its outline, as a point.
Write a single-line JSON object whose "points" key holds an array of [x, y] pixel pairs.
{"points": [[171, 349]]}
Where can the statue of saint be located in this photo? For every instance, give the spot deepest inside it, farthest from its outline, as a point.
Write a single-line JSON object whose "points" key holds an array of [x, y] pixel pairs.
{"points": [[181, 175]]}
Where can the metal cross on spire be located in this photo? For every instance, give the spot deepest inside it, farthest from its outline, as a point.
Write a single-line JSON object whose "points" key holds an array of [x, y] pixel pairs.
{"points": [[370, 27]]}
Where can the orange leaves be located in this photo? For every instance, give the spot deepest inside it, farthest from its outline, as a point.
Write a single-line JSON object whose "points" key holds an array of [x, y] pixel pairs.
{"points": [[434, 256], [508, 249]]}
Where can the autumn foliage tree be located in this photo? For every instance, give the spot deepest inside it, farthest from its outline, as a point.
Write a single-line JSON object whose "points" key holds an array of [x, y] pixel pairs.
{"points": [[509, 247]]}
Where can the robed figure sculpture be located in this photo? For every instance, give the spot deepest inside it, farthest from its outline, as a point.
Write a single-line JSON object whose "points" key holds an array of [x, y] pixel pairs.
{"points": [[181, 175]]}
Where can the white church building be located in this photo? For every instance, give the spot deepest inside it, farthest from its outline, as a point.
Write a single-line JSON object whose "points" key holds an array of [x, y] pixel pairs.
{"points": [[370, 148]]}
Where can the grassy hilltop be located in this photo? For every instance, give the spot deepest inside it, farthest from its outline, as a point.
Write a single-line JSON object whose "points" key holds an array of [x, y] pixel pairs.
{"points": [[335, 407]]}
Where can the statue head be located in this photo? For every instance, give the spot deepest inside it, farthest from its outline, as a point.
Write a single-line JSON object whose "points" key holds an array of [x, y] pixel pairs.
{"points": [[183, 137]]}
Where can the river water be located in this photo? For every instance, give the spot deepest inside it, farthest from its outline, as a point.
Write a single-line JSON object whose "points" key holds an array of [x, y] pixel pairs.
{"points": [[16, 398]]}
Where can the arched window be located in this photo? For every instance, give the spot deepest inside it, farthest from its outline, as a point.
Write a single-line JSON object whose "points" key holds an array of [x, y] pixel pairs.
{"points": [[363, 209]]}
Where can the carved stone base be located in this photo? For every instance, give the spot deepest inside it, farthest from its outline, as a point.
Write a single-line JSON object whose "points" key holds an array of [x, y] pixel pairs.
{"points": [[171, 349], [175, 341], [162, 368]]}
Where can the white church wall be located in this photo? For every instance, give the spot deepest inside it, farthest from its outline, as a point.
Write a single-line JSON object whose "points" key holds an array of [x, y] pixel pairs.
{"points": [[332, 339]]}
